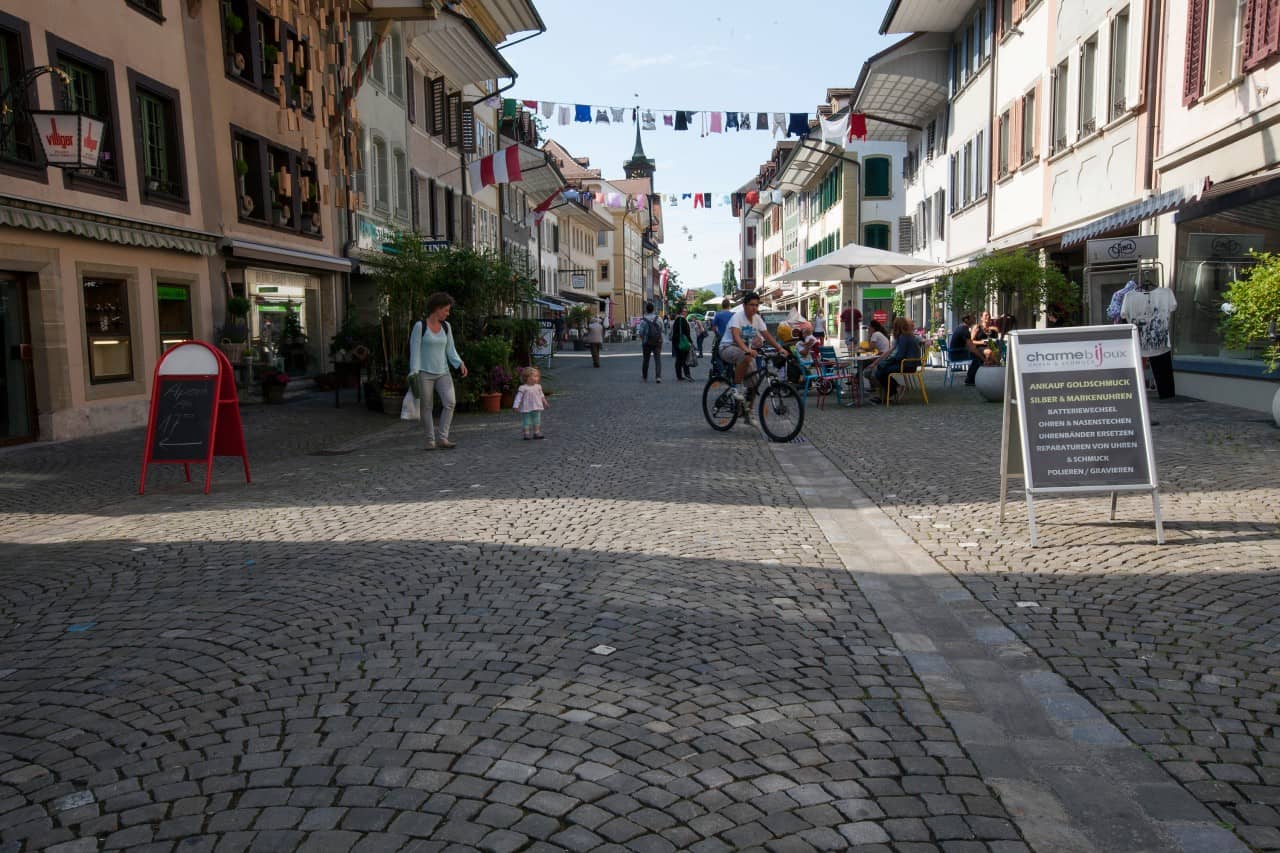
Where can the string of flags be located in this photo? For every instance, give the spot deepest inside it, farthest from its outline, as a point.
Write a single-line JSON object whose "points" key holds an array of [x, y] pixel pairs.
{"points": [[847, 128]]}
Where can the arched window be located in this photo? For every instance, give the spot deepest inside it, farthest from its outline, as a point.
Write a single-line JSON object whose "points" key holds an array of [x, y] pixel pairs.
{"points": [[381, 176], [876, 180], [876, 235]]}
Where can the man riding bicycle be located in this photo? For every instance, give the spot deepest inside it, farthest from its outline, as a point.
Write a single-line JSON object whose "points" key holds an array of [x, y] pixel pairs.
{"points": [[739, 346]]}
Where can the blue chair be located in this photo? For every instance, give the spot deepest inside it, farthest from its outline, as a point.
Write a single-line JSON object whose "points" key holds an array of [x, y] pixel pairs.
{"points": [[955, 361], [824, 372]]}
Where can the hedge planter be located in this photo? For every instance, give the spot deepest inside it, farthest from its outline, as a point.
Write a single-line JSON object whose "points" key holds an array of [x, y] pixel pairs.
{"points": [[990, 383]]}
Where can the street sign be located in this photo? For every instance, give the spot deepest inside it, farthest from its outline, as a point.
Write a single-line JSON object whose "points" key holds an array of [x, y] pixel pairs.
{"points": [[1077, 399]]}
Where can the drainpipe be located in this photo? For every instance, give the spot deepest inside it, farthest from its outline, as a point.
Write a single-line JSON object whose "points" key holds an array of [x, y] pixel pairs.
{"points": [[992, 142], [1151, 86]]}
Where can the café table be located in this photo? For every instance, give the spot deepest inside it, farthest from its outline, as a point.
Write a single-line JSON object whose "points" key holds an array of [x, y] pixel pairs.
{"points": [[854, 365]]}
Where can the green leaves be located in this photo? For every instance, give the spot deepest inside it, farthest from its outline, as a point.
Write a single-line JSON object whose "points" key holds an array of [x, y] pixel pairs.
{"points": [[1007, 283], [1254, 302]]}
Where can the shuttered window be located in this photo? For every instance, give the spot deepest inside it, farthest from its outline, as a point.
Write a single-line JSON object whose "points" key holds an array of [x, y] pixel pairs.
{"points": [[415, 212], [436, 107], [468, 123], [1193, 61], [410, 92], [453, 118], [1261, 28]]}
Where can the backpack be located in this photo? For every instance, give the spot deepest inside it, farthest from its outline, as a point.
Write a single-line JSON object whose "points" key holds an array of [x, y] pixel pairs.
{"points": [[651, 333]]}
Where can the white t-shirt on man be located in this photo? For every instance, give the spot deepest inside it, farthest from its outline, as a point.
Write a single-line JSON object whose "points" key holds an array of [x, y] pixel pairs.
{"points": [[748, 330]]}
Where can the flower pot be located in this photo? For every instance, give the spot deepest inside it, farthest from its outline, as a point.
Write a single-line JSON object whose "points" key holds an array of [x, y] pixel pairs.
{"points": [[508, 399], [273, 393], [391, 402], [990, 382], [238, 62], [491, 401]]}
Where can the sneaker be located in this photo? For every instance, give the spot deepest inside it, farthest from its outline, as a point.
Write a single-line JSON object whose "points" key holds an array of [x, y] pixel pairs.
{"points": [[539, 436], [430, 445], [446, 444]]}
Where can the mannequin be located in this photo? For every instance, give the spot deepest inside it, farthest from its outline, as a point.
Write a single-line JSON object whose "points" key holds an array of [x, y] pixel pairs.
{"points": [[1150, 308]]}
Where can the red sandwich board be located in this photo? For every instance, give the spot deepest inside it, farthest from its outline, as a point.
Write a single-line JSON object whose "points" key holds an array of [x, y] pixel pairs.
{"points": [[195, 413]]}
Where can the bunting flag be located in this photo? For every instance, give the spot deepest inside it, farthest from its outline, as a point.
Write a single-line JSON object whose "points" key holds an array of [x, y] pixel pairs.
{"points": [[541, 210], [500, 168], [848, 127]]}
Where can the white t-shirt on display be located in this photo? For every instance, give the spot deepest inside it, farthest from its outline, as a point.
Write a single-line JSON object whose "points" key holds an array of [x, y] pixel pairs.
{"points": [[749, 331], [1149, 311]]}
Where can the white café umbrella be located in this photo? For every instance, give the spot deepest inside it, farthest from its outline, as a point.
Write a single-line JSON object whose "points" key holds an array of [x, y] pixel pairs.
{"points": [[857, 264]]}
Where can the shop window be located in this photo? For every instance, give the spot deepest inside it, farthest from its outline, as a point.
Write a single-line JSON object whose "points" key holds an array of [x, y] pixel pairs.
{"points": [[877, 178], [876, 235], [91, 91], [158, 141], [106, 315], [18, 146], [173, 310]]}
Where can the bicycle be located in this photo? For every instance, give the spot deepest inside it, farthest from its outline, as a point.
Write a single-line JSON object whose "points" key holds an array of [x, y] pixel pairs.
{"points": [[779, 406]]}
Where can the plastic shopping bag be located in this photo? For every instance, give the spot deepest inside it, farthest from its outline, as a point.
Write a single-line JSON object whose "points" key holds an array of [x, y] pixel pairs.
{"points": [[410, 409]]}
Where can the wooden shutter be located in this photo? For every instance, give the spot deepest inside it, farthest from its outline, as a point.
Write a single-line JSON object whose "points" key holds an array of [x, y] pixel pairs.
{"points": [[415, 213], [1193, 62], [1015, 135], [453, 120], [468, 217], [1039, 110], [994, 168], [1019, 9], [1261, 31], [469, 129], [410, 96], [436, 123], [1271, 43], [906, 230]]}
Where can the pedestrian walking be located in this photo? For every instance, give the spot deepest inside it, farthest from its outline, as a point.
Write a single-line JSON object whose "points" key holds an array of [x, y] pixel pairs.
{"points": [[820, 327], [530, 403], [595, 337], [701, 330], [431, 353], [681, 344], [651, 344], [850, 323]]}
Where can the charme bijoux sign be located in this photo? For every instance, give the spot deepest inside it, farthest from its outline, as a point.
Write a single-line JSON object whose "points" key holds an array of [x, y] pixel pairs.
{"points": [[1078, 399], [69, 140]]}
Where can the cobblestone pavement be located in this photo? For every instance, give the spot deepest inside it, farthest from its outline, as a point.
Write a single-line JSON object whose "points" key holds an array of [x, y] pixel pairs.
{"points": [[394, 649], [1178, 645], [389, 649]]}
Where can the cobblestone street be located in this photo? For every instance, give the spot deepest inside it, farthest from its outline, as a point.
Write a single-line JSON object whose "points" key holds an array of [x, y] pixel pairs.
{"points": [[638, 634]]}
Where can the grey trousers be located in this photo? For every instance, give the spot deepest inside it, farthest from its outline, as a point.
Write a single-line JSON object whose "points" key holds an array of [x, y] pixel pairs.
{"points": [[430, 384]]}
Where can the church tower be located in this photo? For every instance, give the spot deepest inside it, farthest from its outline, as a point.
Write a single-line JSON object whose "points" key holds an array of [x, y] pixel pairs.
{"points": [[639, 166]]}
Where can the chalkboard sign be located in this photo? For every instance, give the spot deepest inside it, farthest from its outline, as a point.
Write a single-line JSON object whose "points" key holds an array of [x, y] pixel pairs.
{"points": [[195, 413], [184, 419]]}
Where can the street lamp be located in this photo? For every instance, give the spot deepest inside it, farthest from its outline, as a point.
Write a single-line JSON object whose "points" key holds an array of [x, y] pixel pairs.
{"points": [[68, 138]]}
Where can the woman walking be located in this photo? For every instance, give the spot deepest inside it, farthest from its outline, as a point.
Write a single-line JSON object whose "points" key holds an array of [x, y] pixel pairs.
{"points": [[431, 354], [681, 344]]}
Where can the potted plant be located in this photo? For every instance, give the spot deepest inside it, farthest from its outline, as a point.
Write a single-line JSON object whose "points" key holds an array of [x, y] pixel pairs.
{"points": [[502, 380], [394, 387], [1251, 315], [235, 26], [273, 384], [270, 53]]}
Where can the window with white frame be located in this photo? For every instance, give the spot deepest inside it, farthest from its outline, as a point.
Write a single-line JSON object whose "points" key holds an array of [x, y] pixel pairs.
{"points": [[381, 175], [1118, 83], [979, 38], [402, 183], [1029, 121], [1224, 42], [378, 73], [1004, 129], [395, 63], [1058, 116], [1088, 93], [966, 174]]}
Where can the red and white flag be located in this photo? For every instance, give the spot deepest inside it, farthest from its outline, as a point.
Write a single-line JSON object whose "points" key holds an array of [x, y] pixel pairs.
{"points": [[500, 168]]}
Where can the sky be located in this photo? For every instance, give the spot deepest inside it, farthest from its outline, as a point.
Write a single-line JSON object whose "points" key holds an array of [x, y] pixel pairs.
{"points": [[747, 56]]}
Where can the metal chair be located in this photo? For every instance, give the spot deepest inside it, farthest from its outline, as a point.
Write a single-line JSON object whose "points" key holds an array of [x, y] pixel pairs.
{"points": [[955, 361], [908, 380]]}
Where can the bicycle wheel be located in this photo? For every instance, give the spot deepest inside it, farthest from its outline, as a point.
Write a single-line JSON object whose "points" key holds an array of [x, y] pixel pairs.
{"points": [[719, 405], [781, 412]]}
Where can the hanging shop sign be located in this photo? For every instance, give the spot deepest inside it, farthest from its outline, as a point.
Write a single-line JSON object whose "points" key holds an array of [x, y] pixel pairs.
{"points": [[195, 412], [578, 281], [69, 140], [1120, 249], [1077, 400]]}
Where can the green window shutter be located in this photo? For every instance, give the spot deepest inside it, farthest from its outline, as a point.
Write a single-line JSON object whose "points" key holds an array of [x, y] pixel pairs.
{"points": [[155, 147], [877, 177]]}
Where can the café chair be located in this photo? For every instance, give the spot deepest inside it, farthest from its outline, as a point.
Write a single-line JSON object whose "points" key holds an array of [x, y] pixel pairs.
{"points": [[955, 361], [908, 380]]}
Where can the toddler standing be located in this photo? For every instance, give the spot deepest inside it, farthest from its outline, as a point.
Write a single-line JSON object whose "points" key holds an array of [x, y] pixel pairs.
{"points": [[530, 401]]}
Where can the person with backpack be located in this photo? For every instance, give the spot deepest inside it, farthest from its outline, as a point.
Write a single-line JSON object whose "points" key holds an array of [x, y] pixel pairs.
{"points": [[651, 343]]}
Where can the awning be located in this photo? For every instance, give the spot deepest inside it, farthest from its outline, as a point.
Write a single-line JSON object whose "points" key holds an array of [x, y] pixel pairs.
{"points": [[905, 83], [514, 17], [1249, 201], [925, 16], [540, 177], [1127, 215], [110, 229], [549, 305], [807, 160], [287, 257], [395, 10], [457, 46]]}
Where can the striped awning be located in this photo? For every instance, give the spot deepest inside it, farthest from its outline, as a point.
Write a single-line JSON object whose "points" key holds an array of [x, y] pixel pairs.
{"points": [[109, 229], [1127, 215]]}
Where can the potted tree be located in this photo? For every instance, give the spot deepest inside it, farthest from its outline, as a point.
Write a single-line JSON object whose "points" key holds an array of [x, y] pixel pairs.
{"points": [[1251, 316], [1001, 281], [273, 384]]}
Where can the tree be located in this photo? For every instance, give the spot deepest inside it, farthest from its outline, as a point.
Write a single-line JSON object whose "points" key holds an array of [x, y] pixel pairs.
{"points": [[675, 293], [1251, 310], [728, 281], [994, 281]]}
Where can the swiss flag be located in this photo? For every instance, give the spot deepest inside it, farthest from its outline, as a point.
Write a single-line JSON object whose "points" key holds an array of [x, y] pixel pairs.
{"points": [[500, 168]]}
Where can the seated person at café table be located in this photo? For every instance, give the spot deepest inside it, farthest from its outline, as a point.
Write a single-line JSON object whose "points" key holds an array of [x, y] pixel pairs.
{"points": [[962, 341], [879, 337], [905, 346]]}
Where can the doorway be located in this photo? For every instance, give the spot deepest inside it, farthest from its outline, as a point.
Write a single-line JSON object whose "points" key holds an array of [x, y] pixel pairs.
{"points": [[18, 422]]}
